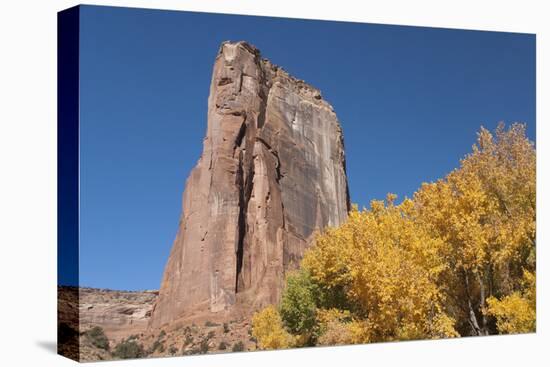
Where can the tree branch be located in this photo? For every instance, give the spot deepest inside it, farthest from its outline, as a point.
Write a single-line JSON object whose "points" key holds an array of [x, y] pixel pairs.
{"points": [[472, 316]]}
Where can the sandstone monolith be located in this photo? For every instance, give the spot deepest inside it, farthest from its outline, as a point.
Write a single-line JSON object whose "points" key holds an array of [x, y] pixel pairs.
{"points": [[271, 174]]}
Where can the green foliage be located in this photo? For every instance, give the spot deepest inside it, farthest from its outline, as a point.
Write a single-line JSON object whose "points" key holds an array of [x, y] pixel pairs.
{"points": [[238, 347], [128, 349], [98, 338], [299, 303]]}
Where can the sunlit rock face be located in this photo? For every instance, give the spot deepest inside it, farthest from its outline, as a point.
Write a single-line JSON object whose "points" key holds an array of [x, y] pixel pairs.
{"points": [[271, 174]]}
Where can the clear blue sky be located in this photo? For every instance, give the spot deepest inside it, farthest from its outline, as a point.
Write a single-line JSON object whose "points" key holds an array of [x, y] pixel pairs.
{"points": [[410, 101]]}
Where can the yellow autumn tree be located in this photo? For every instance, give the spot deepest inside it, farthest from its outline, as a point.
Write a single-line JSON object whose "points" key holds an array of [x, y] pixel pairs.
{"points": [[484, 212], [389, 267], [456, 259], [268, 329], [516, 312]]}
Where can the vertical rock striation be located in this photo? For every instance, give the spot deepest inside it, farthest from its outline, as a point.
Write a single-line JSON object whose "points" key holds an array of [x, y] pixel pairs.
{"points": [[271, 173]]}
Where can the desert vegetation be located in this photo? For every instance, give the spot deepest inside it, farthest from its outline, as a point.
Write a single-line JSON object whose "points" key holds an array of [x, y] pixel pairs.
{"points": [[97, 337], [238, 347], [128, 349], [456, 259]]}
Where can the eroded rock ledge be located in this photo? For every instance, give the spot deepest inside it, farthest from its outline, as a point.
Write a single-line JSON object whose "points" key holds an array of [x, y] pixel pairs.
{"points": [[271, 174]]}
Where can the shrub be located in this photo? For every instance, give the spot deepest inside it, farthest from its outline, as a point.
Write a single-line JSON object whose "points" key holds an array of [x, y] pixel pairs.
{"points": [[189, 339], [298, 304], [267, 328], [222, 345], [336, 327], [129, 349], [172, 350], [210, 324], [157, 345], [162, 334], [211, 334], [238, 347], [97, 337], [203, 348], [225, 327]]}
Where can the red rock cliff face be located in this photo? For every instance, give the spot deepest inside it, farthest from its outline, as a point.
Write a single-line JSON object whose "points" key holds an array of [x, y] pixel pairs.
{"points": [[272, 172]]}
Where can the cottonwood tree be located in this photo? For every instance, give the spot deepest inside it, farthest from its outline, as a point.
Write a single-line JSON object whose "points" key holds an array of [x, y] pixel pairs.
{"points": [[485, 214], [456, 259]]}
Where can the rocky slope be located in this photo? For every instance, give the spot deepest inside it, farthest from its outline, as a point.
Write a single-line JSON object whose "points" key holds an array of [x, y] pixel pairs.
{"points": [[271, 174], [119, 313], [123, 316]]}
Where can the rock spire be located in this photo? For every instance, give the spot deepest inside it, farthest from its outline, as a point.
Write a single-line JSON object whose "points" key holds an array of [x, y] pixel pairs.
{"points": [[271, 174]]}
